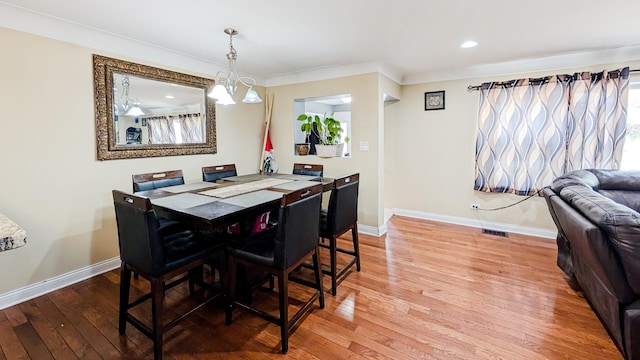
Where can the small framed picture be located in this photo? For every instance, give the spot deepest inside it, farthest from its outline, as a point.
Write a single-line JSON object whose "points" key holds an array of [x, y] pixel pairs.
{"points": [[434, 100], [144, 122]]}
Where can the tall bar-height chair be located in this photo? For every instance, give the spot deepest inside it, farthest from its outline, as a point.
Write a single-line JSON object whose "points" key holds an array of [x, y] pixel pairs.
{"points": [[278, 252], [157, 255], [213, 173], [340, 217], [308, 169], [156, 180], [150, 181]]}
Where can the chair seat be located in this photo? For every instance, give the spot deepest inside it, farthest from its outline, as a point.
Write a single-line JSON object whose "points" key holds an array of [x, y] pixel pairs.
{"points": [[183, 247], [257, 248]]}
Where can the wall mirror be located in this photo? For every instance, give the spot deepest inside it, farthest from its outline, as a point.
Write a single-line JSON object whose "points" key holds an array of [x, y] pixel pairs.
{"points": [[143, 111], [338, 105]]}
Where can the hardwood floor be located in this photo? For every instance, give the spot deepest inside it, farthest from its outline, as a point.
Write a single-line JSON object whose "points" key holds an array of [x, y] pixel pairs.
{"points": [[426, 291]]}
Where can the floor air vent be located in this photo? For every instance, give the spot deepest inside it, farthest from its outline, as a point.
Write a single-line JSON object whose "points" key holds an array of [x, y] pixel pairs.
{"points": [[495, 233]]}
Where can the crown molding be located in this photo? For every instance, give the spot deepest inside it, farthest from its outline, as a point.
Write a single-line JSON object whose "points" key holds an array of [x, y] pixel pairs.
{"points": [[333, 72], [16, 18], [561, 61]]}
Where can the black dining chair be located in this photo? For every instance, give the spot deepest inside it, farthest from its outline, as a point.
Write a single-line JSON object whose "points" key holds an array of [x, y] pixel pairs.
{"points": [[278, 252], [158, 255], [340, 217], [213, 173], [308, 169], [150, 181]]}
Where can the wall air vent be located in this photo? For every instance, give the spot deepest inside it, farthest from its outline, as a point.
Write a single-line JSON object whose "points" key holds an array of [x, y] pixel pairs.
{"points": [[495, 233]]}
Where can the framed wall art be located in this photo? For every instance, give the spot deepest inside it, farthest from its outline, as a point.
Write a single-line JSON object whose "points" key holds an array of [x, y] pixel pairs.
{"points": [[434, 100]]}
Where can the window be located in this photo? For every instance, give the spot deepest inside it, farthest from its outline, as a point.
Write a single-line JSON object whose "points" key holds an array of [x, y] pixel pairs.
{"points": [[631, 150]]}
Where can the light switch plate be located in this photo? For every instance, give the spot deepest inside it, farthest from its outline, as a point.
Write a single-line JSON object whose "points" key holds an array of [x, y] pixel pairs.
{"points": [[364, 146]]}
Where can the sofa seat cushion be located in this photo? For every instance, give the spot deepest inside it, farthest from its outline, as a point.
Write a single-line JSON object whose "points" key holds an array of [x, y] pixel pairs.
{"points": [[619, 222]]}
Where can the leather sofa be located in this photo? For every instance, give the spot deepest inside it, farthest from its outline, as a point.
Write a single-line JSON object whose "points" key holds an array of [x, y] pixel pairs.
{"points": [[596, 213]]}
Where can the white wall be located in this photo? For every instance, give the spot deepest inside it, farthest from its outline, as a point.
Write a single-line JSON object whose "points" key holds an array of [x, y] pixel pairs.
{"points": [[431, 156], [52, 185]]}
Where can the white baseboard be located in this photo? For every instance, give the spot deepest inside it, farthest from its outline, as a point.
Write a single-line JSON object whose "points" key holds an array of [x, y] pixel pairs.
{"points": [[372, 230], [543, 233], [46, 286]]}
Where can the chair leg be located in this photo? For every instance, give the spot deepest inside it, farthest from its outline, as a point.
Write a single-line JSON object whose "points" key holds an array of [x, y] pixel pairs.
{"points": [[356, 245], [125, 283], [272, 284], [318, 274], [195, 275], [233, 270], [157, 309], [333, 248], [283, 294]]}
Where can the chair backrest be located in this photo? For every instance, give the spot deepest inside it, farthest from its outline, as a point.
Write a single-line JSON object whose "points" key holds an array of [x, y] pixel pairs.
{"points": [[150, 181], [343, 204], [308, 169], [213, 173], [138, 238], [298, 225]]}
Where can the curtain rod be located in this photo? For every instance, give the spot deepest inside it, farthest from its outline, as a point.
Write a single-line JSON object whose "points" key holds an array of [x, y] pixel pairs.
{"points": [[477, 87]]}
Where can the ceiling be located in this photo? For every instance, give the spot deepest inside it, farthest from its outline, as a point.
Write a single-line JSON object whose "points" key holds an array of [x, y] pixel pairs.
{"points": [[411, 37]]}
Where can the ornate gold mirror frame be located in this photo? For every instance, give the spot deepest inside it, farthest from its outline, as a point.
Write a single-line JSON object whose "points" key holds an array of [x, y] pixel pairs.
{"points": [[107, 146]]}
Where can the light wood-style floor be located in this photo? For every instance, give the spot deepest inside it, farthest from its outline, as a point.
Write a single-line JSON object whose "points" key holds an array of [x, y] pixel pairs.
{"points": [[426, 291]]}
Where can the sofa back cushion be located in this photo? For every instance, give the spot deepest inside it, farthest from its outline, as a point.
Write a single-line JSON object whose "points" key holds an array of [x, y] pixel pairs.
{"points": [[617, 179], [619, 222]]}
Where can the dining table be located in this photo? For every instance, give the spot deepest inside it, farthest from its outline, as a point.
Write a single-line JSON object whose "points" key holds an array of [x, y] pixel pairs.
{"points": [[212, 205]]}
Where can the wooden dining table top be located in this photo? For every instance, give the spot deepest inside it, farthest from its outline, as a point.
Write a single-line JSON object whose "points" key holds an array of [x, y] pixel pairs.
{"points": [[210, 205]]}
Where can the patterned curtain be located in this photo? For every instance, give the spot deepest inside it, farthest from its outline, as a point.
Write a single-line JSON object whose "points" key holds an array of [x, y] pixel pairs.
{"points": [[516, 156], [191, 128], [531, 131], [598, 119], [161, 130]]}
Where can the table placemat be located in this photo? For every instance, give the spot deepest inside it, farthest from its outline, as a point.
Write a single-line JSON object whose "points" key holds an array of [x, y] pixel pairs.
{"points": [[234, 190], [189, 187], [295, 185], [182, 201], [253, 198], [298, 177], [238, 178]]}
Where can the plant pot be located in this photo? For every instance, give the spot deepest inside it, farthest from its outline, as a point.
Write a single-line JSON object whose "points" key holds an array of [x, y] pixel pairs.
{"points": [[303, 149], [339, 150], [326, 150]]}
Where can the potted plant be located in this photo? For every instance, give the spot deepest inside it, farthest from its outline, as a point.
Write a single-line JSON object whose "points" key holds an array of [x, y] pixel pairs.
{"points": [[306, 127], [330, 134]]}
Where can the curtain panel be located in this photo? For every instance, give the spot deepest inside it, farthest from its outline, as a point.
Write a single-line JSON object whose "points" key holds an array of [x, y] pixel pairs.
{"points": [[191, 128], [597, 120], [161, 130], [531, 131]]}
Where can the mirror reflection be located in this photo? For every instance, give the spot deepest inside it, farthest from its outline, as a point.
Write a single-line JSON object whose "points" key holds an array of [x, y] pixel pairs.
{"points": [[155, 112], [336, 108], [144, 111]]}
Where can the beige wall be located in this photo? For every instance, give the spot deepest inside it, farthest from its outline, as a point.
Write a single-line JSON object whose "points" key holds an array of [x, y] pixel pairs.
{"points": [[55, 188], [364, 127], [52, 184], [431, 155]]}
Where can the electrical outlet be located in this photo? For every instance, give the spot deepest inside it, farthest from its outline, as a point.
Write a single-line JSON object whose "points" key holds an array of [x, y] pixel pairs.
{"points": [[475, 206]]}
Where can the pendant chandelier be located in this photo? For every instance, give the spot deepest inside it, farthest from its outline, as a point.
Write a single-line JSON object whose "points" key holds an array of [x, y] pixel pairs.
{"points": [[130, 105], [227, 83]]}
